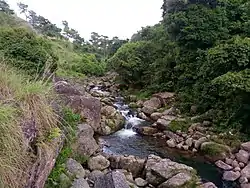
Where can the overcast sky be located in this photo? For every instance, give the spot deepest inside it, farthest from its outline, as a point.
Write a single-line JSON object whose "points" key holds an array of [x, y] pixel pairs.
{"points": [[120, 18]]}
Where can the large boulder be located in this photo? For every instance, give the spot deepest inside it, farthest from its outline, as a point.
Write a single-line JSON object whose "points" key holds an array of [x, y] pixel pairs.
{"points": [[75, 169], [114, 179], [246, 146], [178, 181], [112, 119], [246, 171], [80, 183], [242, 156], [98, 163], [231, 175], [65, 88], [85, 143], [130, 163], [151, 105], [88, 107], [160, 170]]}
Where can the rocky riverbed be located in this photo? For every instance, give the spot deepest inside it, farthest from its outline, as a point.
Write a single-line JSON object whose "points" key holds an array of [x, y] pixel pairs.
{"points": [[95, 100]]}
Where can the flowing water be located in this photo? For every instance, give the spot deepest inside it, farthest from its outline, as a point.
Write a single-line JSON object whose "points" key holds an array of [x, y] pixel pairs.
{"points": [[127, 141]]}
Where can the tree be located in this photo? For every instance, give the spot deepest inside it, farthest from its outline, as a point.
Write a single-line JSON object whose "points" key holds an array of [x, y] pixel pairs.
{"points": [[23, 9], [4, 7]]}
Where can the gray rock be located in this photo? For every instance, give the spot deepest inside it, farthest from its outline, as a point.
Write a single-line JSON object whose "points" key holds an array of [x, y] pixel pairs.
{"points": [[162, 124], [98, 163], [114, 179], [247, 185], [143, 116], [171, 111], [85, 144], [155, 116], [242, 156], [88, 107], [140, 182], [223, 165], [147, 131], [171, 143], [231, 175], [175, 137], [95, 174], [75, 169], [198, 143], [235, 164], [153, 102], [246, 171], [167, 168], [177, 181], [208, 185], [246, 146], [169, 117], [189, 142], [130, 163], [242, 165], [229, 161], [80, 183], [237, 169], [165, 97], [185, 148], [243, 180]]}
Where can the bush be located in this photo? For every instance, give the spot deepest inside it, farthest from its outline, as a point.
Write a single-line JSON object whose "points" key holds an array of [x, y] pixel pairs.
{"points": [[26, 50]]}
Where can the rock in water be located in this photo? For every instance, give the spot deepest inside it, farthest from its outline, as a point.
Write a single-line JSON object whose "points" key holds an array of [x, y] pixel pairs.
{"points": [[114, 179], [223, 165], [177, 181], [208, 185], [231, 175], [98, 163]]}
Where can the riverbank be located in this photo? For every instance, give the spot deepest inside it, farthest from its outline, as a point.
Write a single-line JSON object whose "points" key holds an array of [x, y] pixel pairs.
{"points": [[98, 103]]}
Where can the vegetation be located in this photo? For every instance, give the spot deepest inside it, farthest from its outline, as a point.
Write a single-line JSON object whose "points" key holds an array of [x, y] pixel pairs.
{"points": [[199, 50], [22, 102]]}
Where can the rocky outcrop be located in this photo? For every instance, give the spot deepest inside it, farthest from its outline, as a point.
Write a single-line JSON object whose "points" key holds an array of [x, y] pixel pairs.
{"points": [[85, 143], [88, 107]]}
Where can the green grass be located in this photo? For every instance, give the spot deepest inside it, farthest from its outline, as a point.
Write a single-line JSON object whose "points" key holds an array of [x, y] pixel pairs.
{"points": [[214, 149], [21, 101]]}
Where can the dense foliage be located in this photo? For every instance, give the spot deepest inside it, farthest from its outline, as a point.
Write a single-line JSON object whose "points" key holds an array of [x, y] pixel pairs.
{"points": [[200, 50]]}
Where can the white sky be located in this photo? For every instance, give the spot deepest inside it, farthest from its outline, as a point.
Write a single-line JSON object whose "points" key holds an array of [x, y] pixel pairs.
{"points": [[120, 18]]}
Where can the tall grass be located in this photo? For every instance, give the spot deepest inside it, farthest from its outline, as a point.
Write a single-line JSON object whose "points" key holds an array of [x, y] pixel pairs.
{"points": [[21, 100]]}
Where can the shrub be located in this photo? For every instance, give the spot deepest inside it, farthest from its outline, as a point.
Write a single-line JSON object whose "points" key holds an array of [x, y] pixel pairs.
{"points": [[26, 50]]}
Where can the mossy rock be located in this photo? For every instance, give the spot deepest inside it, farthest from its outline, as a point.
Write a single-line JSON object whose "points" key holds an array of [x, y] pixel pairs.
{"points": [[182, 125], [215, 151], [133, 105]]}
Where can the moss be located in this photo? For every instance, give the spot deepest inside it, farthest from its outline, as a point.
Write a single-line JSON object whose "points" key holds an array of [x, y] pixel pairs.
{"points": [[176, 125], [213, 149]]}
